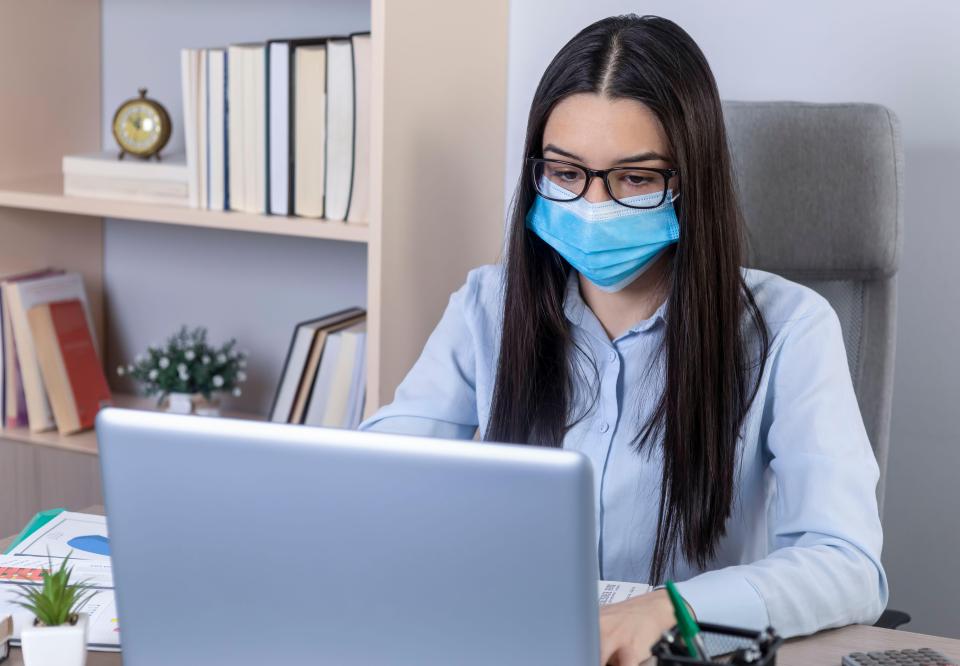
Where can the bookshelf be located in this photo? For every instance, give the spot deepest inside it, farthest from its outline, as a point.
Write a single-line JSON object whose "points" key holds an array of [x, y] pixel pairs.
{"points": [[437, 156], [45, 193]]}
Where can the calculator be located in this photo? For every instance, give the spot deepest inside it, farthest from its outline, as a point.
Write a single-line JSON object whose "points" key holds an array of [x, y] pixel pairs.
{"points": [[921, 657]]}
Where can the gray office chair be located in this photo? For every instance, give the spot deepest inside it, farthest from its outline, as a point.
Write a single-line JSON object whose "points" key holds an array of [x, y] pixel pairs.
{"points": [[821, 187]]}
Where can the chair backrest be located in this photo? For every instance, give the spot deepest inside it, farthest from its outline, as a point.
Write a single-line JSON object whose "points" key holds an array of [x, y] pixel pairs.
{"points": [[821, 186]]}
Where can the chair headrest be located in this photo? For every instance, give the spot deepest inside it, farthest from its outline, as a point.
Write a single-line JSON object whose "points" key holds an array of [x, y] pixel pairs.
{"points": [[821, 187]]}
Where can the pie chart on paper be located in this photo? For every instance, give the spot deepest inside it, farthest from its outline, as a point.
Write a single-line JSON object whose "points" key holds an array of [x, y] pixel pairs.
{"points": [[92, 543]]}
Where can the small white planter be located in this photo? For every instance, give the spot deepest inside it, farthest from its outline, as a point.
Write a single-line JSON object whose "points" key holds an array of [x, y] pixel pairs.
{"points": [[192, 403], [65, 645]]}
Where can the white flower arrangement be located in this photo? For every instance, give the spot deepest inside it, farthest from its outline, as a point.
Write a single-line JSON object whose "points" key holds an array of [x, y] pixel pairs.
{"points": [[188, 364]]}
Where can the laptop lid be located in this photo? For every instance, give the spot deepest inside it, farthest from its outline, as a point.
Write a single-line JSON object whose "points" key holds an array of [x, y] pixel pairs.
{"points": [[246, 542]]}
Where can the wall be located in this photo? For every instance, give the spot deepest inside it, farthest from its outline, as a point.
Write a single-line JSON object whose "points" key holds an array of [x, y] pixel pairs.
{"points": [[254, 287], [905, 56]]}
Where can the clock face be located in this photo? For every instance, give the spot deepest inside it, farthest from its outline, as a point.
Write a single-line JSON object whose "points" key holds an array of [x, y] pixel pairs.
{"points": [[139, 128]]}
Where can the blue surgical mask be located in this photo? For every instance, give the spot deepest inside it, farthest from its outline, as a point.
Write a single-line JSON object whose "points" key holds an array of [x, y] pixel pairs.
{"points": [[609, 244]]}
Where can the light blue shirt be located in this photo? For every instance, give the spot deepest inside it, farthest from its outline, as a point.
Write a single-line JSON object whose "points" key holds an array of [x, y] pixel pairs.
{"points": [[802, 548]]}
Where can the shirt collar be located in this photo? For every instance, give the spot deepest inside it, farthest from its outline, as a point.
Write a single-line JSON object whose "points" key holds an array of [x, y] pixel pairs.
{"points": [[577, 310]]}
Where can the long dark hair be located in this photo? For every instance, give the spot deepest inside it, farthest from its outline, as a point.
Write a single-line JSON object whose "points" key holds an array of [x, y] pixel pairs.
{"points": [[711, 368]]}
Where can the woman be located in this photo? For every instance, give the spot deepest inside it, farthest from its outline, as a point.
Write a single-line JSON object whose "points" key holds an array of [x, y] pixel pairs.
{"points": [[715, 402]]}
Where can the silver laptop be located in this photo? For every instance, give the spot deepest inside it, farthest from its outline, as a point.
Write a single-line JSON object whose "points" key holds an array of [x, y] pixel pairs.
{"points": [[238, 542]]}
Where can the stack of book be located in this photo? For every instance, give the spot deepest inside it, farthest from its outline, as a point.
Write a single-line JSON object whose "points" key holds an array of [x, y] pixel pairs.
{"points": [[50, 368], [280, 127], [323, 382], [105, 176]]}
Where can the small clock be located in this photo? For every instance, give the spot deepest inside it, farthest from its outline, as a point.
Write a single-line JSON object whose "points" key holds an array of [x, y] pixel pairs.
{"points": [[141, 127]]}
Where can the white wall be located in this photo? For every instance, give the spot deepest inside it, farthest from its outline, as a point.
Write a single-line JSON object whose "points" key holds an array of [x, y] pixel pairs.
{"points": [[254, 287], [907, 57]]}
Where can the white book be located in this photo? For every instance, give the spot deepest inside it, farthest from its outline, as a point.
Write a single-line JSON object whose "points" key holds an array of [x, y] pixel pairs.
{"points": [[105, 163], [310, 129], [358, 384], [278, 57], [256, 82], [360, 191], [216, 129], [320, 393], [189, 84], [235, 128], [247, 127], [335, 412], [340, 122], [22, 296], [202, 130], [161, 192]]}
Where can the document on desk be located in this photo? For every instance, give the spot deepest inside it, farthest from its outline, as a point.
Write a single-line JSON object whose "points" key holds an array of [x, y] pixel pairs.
{"points": [[84, 538], [613, 592]]}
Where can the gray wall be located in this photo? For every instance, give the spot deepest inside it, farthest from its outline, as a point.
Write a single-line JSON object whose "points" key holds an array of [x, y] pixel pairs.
{"points": [[905, 56], [254, 287]]}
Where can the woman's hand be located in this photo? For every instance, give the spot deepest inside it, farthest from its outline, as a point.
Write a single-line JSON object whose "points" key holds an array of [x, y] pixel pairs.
{"points": [[630, 628]]}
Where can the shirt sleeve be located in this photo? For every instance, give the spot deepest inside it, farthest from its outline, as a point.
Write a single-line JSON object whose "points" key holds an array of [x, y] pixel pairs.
{"points": [[823, 569], [437, 398]]}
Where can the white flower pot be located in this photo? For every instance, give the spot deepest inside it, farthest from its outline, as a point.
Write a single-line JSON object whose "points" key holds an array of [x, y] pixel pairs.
{"points": [[192, 403], [65, 645]]}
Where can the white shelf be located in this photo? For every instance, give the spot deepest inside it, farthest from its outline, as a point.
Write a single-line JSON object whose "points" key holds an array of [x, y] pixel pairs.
{"points": [[45, 193]]}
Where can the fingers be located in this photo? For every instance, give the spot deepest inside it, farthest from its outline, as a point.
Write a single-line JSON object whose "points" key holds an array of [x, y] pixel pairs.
{"points": [[625, 656]]}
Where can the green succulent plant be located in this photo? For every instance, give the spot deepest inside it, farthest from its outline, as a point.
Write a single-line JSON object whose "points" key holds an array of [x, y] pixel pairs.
{"points": [[57, 600]]}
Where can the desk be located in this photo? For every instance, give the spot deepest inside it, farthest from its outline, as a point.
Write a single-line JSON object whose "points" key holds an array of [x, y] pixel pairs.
{"points": [[823, 649]]}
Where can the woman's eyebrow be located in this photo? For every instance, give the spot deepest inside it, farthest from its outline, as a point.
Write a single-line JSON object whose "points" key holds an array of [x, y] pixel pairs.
{"points": [[648, 156], [561, 151], [643, 157]]}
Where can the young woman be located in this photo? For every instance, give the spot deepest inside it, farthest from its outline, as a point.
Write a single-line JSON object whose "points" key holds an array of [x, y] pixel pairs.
{"points": [[715, 402]]}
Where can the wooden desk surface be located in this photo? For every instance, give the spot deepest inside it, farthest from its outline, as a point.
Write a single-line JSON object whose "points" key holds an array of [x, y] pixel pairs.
{"points": [[825, 649]]}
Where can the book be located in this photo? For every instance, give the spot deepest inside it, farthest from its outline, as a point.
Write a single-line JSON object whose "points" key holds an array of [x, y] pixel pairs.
{"points": [[320, 391], [21, 296], [310, 129], [190, 91], [246, 100], [71, 370], [359, 210], [235, 133], [358, 386], [103, 176], [216, 129], [294, 366], [338, 171], [255, 119], [311, 369], [12, 398], [337, 403], [281, 118], [104, 164], [278, 125], [165, 193], [201, 121]]}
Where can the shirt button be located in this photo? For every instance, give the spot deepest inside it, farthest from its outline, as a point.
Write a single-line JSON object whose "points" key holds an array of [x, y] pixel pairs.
{"points": [[612, 356], [604, 426]]}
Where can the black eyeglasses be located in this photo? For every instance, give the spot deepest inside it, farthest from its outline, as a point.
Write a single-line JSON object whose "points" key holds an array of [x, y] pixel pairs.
{"points": [[565, 181]]}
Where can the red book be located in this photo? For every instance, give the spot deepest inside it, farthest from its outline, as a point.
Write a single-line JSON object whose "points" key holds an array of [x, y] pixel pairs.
{"points": [[71, 371]]}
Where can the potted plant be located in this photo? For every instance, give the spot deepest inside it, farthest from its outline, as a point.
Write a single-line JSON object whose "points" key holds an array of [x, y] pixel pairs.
{"points": [[187, 374], [58, 635]]}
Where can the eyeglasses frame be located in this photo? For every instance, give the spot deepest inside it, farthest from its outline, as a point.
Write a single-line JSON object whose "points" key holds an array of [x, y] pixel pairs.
{"points": [[602, 174]]}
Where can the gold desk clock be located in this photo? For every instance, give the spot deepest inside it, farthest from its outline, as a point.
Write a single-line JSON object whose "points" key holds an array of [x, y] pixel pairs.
{"points": [[141, 127]]}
